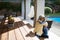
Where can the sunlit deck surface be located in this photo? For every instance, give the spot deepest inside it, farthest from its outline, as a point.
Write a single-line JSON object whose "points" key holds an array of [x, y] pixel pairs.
{"points": [[20, 30]]}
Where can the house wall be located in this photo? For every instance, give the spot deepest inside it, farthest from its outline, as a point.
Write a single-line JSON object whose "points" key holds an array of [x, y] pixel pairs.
{"points": [[22, 8], [28, 2], [40, 7]]}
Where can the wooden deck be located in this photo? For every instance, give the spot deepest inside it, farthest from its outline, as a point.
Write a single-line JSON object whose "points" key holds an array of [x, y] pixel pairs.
{"points": [[18, 32]]}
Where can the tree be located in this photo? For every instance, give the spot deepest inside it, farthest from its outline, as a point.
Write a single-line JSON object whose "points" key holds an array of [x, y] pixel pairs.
{"points": [[57, 2]]}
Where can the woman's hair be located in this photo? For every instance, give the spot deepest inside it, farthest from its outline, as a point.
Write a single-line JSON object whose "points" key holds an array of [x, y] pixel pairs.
{"points": [[41, 17]]}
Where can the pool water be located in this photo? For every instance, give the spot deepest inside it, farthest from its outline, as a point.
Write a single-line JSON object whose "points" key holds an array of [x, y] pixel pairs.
{"points": [[56, 19]]}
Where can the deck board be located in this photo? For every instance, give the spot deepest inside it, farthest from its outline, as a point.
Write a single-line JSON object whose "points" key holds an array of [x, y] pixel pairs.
{"points": [[0, 33], [4, 34], [12, 35], [24, 33], [28, 30], [18, 34]]}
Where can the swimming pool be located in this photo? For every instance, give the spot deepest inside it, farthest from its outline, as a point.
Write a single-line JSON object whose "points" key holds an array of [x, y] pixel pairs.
{"points": [[56, 19]]}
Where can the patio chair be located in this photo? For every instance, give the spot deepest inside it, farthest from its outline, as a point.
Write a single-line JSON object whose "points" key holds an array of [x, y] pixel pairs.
{"points": [[49, 24]]}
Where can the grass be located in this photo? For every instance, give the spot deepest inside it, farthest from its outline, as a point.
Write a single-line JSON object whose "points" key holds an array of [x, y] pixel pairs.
{"points": [[53, 14]]}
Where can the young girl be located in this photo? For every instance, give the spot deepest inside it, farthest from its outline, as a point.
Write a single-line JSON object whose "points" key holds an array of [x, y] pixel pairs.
{"points": [[45, 25], [40, 29], [44, 29]]}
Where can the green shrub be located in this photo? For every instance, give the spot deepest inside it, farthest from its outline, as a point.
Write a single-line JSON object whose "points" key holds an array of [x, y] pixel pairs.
{"points": [[9, 6], [48, 10]]}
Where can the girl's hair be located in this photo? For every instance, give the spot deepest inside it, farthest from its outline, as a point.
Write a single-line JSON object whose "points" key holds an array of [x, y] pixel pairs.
{"points": [[41, 17]]}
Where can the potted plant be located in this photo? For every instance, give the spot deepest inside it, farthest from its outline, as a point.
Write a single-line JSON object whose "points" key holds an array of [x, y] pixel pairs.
{"points": [[10, 21]]}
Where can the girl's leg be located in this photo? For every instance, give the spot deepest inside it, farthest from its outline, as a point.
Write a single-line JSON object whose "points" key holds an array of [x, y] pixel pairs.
{"points": [[45, 32]]}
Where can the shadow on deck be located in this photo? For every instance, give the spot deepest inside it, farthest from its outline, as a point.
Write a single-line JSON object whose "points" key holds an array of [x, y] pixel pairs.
{"points": [[5, 28]]}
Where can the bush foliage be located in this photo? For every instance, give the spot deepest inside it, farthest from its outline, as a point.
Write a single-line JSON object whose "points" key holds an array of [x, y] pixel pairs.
{"points": [[9, 5], [48, 10]]}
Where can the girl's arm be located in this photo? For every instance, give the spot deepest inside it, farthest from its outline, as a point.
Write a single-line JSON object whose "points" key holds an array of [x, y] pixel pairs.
{"points": [[45, 24]]}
